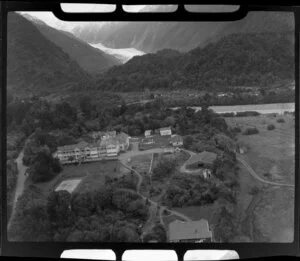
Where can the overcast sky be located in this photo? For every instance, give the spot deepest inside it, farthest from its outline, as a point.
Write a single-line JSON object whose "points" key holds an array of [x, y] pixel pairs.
{"points": [[50, 19]]}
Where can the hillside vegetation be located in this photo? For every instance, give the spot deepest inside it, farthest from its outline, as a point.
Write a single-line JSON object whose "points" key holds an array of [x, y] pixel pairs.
{"points": [[34, 64], [235, 60], [90, 59]]}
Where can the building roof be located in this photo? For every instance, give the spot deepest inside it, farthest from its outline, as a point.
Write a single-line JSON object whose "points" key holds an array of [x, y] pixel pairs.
{"points": [[122, 137], [165, 128], [148, 131], [203, 157], [109, 141], [96, 144], [176, 138], [79, 145], [179, 230]]}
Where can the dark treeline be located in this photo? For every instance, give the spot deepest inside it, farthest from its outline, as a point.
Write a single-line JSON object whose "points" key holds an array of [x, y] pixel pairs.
{"points": [[285, 96]]}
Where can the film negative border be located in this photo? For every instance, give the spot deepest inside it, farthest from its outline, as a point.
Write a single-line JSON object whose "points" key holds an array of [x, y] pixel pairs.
{"points": [[54, 249]]}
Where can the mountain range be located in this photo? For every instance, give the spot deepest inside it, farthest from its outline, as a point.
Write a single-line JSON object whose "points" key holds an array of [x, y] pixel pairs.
{"points": [[256, 50], [182, 36], [88, 58]]}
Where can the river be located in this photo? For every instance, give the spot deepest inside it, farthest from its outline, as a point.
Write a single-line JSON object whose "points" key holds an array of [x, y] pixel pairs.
{"points": [[278, 108]]}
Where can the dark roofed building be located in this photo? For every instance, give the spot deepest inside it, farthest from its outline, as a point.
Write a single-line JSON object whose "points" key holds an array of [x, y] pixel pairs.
{"points": [[204, 159], [191, 231]]}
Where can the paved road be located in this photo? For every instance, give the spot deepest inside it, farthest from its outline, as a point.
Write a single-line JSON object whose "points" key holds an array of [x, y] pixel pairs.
{"points": [[256, 176], [20, 184]]}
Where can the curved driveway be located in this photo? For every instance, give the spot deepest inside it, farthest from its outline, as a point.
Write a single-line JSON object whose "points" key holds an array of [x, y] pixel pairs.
{"points": [[256, 176]]}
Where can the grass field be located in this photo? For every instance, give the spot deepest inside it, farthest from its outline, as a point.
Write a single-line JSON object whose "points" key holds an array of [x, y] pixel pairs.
{"points": [[208, 212], [271, 155], [92, 175], [270, 151], [274, 215]]}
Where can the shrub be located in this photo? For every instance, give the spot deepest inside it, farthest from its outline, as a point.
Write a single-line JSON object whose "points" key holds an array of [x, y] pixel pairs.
{"points": [[280, 120], [163, 168], [250, 131], [270, 127], [254, 191], [237, 129]]}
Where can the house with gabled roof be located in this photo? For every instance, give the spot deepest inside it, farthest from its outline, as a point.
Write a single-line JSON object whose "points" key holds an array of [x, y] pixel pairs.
{"points": [[165, 131], [204, 159], [190, 231], [72, 153]]}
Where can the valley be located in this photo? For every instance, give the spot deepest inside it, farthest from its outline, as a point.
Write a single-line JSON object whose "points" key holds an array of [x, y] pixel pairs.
{"points": [[122, 132]]}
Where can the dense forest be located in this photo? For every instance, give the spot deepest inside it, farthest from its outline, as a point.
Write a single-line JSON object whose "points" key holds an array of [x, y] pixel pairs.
{"points": [[235, 60]]}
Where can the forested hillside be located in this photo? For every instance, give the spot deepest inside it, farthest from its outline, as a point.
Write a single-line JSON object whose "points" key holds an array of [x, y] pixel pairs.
{"points": [[90, 59], [35, 64], [235, 60]]}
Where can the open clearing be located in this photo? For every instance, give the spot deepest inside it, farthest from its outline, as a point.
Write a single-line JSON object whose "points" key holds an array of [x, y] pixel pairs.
{"points": [[271, 153], [208, 212], [269, 214], [92, 175]]}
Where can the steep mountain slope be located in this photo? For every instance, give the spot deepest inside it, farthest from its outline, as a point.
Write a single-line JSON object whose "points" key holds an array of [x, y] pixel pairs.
{"points": [[90, 59], [235, 60], [183, 36], [36, 65]]}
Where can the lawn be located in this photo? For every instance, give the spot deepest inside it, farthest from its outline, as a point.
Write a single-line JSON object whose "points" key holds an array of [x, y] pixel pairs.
{"points": [[92, 175], [208, 212], [275, 221]]}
